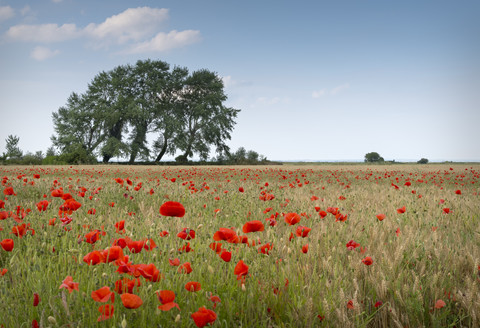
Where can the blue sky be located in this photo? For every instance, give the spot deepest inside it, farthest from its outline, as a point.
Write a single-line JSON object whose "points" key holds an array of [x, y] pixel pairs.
{"points": [[315, 80]]}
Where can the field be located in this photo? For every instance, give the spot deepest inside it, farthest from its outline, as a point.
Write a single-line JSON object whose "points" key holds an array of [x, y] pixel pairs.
{"points": [[282, 246]]}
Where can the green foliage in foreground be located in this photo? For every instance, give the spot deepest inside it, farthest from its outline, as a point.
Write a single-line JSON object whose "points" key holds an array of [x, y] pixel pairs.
{"points": [[419, 257]]}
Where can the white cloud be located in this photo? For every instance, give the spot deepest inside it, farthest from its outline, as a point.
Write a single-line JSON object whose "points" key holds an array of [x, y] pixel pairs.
{"points": [[6, 12], [135, 28], [43, 33], [133, 24], [332, 92], [319, 93], [228, 81], [340, 88], [163, 41], [42, 53]]}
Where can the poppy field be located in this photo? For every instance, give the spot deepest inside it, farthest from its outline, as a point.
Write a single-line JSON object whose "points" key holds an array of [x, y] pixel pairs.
{"points": [[279, 246]]}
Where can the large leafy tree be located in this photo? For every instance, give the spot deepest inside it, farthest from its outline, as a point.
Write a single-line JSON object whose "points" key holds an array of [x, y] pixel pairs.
{"points": [[205, 120], [13, 151], [122, 106], [373, 157]]}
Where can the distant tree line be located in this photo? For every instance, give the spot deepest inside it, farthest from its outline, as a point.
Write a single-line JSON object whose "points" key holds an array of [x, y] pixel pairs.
{"points": [[184, 111]]}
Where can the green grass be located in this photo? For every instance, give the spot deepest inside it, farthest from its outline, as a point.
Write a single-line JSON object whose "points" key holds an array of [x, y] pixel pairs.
{"points": [[410, 272]]}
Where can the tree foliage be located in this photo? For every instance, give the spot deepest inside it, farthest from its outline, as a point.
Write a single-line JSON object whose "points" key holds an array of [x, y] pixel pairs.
{"points": [[422, 161], [373, 157], [113, 118], [13, 151]]}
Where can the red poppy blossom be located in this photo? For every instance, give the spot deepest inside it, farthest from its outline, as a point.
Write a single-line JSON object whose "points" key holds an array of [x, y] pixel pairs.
{"points": [[131, 301], [69, 284], [106, 311], [253, 226], [186, 234], [241, 189], [36, 299], [193, 286], [120, 227], [226, 234], [439, 304], [350, 305], [226, 256], [171, 208], [94, 258], [351, 245], [167, 298], [292, 218], [174, 262], [7, 244], [367, 261], [126, 285], [381, 217], [458, 192], [42, 205], [446, 210], [302, 231], [103, 295], [401, 210], [9, 191], [305, 249], [241, 270], [185, 268], [203, 317]]}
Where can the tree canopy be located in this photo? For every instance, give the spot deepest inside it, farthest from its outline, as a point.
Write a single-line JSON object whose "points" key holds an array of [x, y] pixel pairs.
{"points": [[373, 157], [184, 111]]}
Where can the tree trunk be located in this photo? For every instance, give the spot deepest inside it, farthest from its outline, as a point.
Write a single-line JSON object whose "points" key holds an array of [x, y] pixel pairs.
{"points": [[163, 151]]}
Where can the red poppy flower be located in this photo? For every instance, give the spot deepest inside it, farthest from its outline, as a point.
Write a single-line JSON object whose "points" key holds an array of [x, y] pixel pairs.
{"points": [[193, 286], [203, 317], [217, 247], [94, 258], [135, 246], [378, 304], [186, 234], [172, 209], [113, 253], [215, 299], [174, 262], [36, 299], [42, 205], [126, 285], [7, 244], [163, 233], [401, 210], [103, 295], [350, 305], [352, 245], [3, 272], [367, 261], [446, 210], [241, 189], [120, 227], [241, 270], [9, 191], [305, 249], [381, 217], [131, 301], [253, 226], [302, 231], [185, 268], [292, 218], [265, 249], [167, 298], [439, 304], [226, 256], [35, 323], [69, 284], [458, 192], [226, 234], [57, 193], [106, 311]]}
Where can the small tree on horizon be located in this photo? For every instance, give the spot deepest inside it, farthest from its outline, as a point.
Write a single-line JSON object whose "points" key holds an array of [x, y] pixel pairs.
{"points": [[373, 157], [13, 151], [423, 161]]}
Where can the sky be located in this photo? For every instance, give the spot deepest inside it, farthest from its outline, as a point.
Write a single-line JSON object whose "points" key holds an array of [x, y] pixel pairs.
{"points": [[314, 80]]}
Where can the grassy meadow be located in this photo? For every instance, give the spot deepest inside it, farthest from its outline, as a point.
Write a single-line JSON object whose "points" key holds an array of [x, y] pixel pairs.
{"points": [[343, 264]]}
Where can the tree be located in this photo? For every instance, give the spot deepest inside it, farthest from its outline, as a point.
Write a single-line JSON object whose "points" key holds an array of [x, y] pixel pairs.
{"points": [[373, 157], [423, 161], [252, 156], [120, 107], [205, 120], [13, 151]]}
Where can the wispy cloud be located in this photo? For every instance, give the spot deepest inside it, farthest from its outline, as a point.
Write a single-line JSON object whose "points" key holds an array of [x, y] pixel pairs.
{"points": [[135, 29], [166, 41], [332, 92], [41, 53], [6, 12]]}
